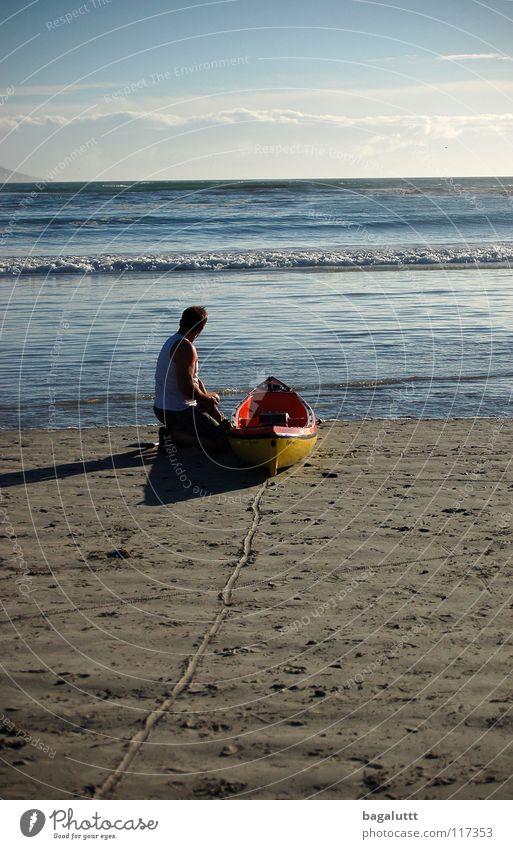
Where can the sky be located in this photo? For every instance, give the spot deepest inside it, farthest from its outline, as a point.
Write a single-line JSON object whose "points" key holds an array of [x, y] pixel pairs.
{"points": [[255, 89]]}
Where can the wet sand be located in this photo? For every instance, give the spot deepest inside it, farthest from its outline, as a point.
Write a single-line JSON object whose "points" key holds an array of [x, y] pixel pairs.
{"points": [[175, 629]]}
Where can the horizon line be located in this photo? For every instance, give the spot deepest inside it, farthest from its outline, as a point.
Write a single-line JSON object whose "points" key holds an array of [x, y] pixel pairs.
{"points": [[255, 179]]}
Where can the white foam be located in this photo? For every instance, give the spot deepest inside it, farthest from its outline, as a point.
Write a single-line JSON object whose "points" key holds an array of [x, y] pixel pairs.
{"points": [[347, 258]]}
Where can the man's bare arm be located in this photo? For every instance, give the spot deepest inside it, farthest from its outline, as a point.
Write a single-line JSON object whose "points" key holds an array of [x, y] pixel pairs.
{"points": [[184, 358], [213, 395]]}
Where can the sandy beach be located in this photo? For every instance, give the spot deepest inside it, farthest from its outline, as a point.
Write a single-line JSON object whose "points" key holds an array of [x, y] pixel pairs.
{"points": [[172, 629]]}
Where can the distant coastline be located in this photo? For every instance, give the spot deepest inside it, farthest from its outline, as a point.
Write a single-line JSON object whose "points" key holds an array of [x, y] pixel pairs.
{"points": [[8, 176]]}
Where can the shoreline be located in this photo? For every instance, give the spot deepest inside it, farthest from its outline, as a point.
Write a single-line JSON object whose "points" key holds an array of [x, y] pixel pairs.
{"points": [[360, 650], [148, 426]]}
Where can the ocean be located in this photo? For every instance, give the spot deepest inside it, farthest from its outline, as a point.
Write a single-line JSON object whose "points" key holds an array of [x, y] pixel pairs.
{"points": [[373, 298]]}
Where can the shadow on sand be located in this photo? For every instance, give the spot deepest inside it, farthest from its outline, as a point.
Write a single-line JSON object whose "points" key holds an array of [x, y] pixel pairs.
{"points": [[185, 474], [189, 474]]}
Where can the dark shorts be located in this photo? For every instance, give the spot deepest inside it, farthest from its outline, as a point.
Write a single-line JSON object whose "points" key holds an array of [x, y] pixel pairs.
{"points": [[192, 421]]}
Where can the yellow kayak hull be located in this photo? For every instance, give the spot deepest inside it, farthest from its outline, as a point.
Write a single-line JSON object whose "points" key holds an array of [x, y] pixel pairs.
{"points": [[272, 452]]}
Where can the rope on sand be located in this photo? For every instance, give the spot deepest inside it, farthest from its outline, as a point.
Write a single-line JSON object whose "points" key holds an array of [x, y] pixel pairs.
{"points": [[136, 742]]}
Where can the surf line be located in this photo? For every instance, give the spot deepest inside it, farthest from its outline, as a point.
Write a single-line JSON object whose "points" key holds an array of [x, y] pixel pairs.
{"points": [[225, 596]]}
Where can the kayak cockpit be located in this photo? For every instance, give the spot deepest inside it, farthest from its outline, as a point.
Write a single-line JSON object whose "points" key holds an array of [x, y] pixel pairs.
{"points": [[272, 403]]}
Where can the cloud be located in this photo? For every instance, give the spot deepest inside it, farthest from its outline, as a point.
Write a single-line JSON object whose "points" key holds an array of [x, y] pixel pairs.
{"points": [[14, 121], [464, 57], [399, 57], [434, 126]]}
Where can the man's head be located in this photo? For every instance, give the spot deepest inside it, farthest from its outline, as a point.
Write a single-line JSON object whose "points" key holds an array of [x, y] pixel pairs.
{"points": [[193, 321]]}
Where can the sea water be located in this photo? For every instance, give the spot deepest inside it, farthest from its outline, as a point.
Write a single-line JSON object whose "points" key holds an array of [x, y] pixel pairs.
{"points": [[373, 298]]}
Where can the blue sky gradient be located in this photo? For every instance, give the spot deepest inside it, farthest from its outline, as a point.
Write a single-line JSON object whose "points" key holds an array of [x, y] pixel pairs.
{"points": [[245, 89]]}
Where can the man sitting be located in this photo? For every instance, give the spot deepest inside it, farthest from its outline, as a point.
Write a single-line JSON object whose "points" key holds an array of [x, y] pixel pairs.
{"points": [[189, 413]]}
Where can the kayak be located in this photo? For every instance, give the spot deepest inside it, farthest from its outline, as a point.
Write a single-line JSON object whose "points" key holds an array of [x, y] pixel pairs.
{"points": [[273, 427]]}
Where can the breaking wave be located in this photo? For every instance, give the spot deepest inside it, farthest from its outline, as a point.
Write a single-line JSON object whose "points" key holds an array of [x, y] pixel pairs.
{"points": [[261, 260]]}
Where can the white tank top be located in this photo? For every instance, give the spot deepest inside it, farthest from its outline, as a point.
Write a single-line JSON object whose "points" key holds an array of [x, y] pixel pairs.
{"points": [[167, 392]]}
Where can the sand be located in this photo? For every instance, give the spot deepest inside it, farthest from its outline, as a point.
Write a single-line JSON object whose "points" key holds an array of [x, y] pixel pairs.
{"points": [[174, 629]]}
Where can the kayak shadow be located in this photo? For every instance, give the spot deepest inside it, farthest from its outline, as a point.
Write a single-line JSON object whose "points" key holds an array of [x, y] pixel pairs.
{"points": [[188, 474]]}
